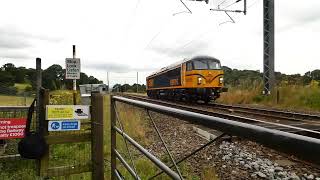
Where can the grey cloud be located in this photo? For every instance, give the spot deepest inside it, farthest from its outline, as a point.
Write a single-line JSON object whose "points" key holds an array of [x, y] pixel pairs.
{"points": [[185, 50], [11, 38], [301, 18], [116, 67], [14, 55], [12, 42]]}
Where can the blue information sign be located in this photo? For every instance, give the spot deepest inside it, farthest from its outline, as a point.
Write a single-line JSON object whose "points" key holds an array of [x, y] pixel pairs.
{"points": [[65, 125]]}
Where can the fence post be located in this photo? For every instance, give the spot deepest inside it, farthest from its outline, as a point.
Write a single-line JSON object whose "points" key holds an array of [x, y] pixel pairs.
{"points": [[39, 85], [97, 117], [113, 138], [43, 130]]}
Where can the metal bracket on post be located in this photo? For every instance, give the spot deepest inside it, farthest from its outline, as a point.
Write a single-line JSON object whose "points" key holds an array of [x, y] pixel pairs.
{"points": [[268, 46]]}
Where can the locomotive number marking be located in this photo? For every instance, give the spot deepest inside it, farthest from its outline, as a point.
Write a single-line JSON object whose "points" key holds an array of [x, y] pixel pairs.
{"points": [[173, 82]]}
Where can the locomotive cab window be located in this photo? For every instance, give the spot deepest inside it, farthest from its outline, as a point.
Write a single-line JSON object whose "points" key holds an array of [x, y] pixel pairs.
{"points": [[189, 66], [204, 64], [200, 64], [214, 65]]}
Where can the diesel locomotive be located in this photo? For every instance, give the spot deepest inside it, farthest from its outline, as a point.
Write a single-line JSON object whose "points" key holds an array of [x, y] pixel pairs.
{"points": [[193, 79]]}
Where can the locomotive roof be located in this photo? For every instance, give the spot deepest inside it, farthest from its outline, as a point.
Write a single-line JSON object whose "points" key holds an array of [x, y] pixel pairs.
{"points": [[177, 64]]}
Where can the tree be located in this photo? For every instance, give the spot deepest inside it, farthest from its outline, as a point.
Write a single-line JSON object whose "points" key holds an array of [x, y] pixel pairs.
{"points": [[52, 77], [116, 88], [20, 74], [6, 79], [9, 67], [315, 75]]}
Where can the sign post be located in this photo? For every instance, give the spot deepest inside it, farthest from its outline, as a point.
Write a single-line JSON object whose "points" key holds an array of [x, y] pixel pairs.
{"points": [[73, 69]]}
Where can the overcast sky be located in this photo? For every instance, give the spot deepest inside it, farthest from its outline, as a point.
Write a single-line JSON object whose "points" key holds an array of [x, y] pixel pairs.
{"points": [[123, 37]]}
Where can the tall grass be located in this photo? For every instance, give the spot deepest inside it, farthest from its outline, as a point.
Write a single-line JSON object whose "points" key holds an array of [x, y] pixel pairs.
{"points": [[294, 97], [6, 100]]}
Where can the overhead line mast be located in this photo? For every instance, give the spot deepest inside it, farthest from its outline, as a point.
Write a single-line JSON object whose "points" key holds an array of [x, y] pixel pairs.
{"points": [[268, 46]]}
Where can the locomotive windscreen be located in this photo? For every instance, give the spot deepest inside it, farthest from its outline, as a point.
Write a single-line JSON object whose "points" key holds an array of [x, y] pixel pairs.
{"points": [[202, 64]]}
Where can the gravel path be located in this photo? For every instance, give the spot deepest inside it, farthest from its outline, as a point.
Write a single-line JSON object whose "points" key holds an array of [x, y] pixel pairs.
{"points": [[232, 159]]}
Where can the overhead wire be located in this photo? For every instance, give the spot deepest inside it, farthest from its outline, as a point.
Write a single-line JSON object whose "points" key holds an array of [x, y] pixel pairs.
{"points": [[133, 14], [232, 4], [202, 34], [255, 2], [189, 11]]}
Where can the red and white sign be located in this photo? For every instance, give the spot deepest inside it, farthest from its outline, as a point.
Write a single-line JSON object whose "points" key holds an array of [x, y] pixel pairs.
{"points": [[11, 128]]}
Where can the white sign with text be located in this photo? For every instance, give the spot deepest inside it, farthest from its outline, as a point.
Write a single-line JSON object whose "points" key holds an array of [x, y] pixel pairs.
{"points": [[73, 68]]}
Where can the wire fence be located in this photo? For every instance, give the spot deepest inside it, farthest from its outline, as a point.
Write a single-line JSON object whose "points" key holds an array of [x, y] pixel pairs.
{"points": [[12, 166], [16, 95]]}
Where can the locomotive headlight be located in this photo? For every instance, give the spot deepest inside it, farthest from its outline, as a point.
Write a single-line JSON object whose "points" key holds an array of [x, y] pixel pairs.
{"points": [[199, 80], [221, 80]]}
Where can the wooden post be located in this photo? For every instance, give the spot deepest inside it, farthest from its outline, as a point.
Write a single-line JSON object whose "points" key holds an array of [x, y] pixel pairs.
{"points": [[44, 161], [113, 138], [97, 118], [137, 82], [39, 85], [74, 81]]}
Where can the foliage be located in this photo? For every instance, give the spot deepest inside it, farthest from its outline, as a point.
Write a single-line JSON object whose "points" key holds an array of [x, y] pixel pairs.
{"points": [[290, 97], [248, 78], [129, 88], [6, 100], [52, 77], [6, 79]]}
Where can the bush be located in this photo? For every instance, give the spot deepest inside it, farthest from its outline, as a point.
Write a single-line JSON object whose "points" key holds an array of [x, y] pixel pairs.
{"points": [[8, 90], [258, 98], [28, 89], [312, 100]]}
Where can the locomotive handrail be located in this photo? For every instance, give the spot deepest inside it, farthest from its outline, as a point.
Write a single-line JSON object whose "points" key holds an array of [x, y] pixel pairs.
{"points": [[303, 147]]}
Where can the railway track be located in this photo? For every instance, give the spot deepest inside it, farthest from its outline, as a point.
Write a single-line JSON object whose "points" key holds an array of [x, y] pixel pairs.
{"points": [[298, 123]]}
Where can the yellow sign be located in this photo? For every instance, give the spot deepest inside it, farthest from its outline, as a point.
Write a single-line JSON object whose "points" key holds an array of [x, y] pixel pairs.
{"points": [[62, 112]]}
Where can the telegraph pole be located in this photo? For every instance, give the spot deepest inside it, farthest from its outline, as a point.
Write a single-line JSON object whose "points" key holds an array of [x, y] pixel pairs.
{"points": [[268, 46], [74, 80], [137, 81], [108, 81]]}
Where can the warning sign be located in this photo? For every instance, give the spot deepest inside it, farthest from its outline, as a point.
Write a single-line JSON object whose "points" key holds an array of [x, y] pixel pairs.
{"points": [[12, 128], [73, 68], [67, 125], [60, 112]]}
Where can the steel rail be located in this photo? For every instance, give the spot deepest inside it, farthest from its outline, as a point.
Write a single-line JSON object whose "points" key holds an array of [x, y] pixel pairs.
{"points": [[273, 125], [306, 148], [287, 114]]}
